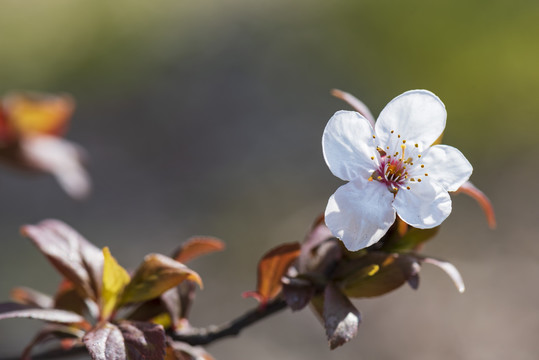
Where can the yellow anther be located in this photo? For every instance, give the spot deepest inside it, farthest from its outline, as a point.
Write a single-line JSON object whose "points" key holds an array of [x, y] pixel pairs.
{"points": [[416, 145], [372, 157], [374, 137], [392, 131], [412, 179], [370, 179], [404, 141], [418, 180], [418, 155], [422, 166], [387, 147], [408, 188], [426, 174], [398, 136], [379, 178]]}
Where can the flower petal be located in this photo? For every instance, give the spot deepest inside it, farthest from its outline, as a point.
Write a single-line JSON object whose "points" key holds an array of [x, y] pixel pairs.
{"points": [[348, 146], [447, 166], [360, 213], [418, 116], [426, 205]]}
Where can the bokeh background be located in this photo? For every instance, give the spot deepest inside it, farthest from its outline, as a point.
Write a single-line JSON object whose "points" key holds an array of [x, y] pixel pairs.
{"points": [[205, 117]]}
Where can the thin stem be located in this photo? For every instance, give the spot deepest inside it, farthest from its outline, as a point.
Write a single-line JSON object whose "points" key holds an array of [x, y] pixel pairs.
{"points": [[203, 336]]}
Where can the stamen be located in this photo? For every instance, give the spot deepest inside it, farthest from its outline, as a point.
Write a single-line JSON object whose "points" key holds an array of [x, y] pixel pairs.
{"points": [[404, 141], [374, 137], [407, 188], [418, 155], [418, 180], [398, 136], [422, 166], [372, 157], [426, 174], [392, 131], [416, 145], [370, 179]]}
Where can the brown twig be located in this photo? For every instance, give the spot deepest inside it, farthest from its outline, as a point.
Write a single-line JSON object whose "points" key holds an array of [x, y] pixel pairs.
{"points": [[203, 336]]}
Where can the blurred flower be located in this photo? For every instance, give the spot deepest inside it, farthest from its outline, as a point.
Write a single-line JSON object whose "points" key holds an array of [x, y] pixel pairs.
{"points": [[392, 169], [31, 126]]}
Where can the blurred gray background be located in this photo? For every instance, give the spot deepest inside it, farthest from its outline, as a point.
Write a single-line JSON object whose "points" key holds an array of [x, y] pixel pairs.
{"points": [[205, 117]]}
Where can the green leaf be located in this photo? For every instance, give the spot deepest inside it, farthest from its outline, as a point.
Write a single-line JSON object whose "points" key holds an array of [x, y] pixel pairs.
{"points": [[115, 278], [376, 273], [410, 240], [155, 275]]}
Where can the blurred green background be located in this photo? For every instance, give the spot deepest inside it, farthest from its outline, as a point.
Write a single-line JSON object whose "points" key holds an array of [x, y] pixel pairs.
{"points": [[205, 117]]}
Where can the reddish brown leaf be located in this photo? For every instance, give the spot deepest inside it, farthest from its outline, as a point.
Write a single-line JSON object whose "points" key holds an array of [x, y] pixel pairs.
{"points": [[318, 234], [72, 255], [197, 246], [143, 340], [155, 275], [14, 310], [68, 298], [355, 103], [105, 342], [469, 189], [181, 351], [271, 269], [341, 318], [31, 297], [297, 292], [68, 335]]}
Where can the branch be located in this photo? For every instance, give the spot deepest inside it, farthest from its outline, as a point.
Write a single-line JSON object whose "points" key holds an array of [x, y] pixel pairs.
{"points": [[203, 336]]}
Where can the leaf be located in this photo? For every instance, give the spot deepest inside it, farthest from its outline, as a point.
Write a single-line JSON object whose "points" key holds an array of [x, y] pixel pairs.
{"points": [[68, 298], [115, 279], [181, 351], [341, 318], [197, 246], [59, 157], [13, 310], [143, 340], [449, 269], [52, 332], [105, 342], [318, 234], [410, 240], [72, 255], [31, 113], [271, 268], [155, 275], [376, 273], [297, 292], [469, 189], [31, 297], [355, 103]]}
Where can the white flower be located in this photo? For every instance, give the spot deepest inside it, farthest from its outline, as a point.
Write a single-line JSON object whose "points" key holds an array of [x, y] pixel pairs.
{"points": [[391, 169]]}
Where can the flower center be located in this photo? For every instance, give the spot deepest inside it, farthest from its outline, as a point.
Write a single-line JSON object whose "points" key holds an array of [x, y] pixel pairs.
{"points": [[396, 163]]}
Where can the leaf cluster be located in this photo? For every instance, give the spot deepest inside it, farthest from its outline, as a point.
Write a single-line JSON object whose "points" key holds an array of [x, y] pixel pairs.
{"points": [[99, 305], [321, 273]]}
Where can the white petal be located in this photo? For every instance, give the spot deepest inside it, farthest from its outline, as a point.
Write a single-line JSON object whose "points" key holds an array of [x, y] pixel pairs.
{"points": [[61, 158], [360, 213], [447, 166], [426, 205], [418, 116], [348, 146]]}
